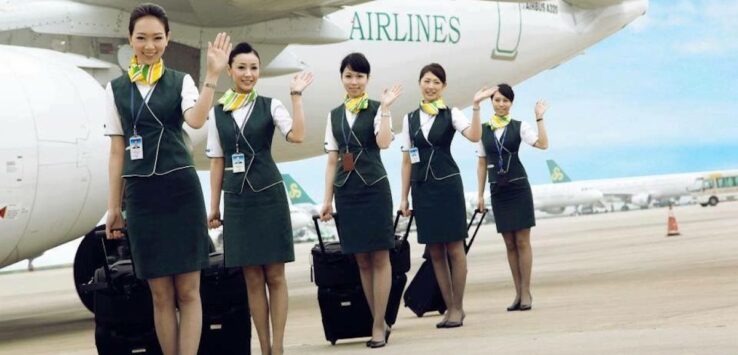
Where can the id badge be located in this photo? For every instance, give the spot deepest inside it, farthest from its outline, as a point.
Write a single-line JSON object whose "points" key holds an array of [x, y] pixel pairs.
{"points": [[239, 162], [414, 155], [348, 162], [135, 144]]}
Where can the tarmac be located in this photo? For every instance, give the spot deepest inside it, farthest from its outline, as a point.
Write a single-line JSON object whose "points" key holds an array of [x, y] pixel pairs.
{"points": [[602, 284]]}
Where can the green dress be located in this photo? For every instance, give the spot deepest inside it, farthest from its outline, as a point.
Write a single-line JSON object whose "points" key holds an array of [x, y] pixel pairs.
{"points": [[363, 196], [257, 229], [165, 209], [436, 187]]}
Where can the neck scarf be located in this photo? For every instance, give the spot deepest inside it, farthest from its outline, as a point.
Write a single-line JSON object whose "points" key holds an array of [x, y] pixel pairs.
{"points": [[432, 108], [145, 73], [232, 100], [499, 122], [354, 105]]}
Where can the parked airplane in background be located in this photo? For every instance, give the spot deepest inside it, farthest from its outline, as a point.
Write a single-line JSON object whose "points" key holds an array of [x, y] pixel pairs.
{"points": [[52, 151], [549, 198], [299, 198], [641, 191]]}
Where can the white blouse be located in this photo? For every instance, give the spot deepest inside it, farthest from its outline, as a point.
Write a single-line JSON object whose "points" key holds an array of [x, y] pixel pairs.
{"points": [[280, 117], [527, 135], [330, 141], [113, 125], [458, 120]]}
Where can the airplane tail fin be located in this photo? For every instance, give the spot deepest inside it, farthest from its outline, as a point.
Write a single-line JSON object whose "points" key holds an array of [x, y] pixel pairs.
{"points": [[557, 174], [295, 192]]}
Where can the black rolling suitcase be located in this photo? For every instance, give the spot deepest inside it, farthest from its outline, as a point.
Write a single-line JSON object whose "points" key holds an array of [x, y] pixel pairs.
{"points": [[423, 294], [343, 308], [226, 321], [345, 313], [331, 268], [124, 314]]}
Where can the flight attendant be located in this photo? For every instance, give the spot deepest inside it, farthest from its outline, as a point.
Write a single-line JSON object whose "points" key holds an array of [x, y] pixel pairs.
{"points": [[355, 132], [438, 195], [257, 231], [512, 200], [165, 211]]}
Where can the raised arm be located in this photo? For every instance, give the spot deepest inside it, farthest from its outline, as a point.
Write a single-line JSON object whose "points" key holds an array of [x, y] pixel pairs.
{"points": [[217, 59], [474, 133], [298, 85], [541, 107], [384, 137]]}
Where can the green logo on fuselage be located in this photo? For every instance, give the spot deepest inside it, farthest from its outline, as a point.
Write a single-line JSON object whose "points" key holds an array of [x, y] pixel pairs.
{"points": [[394, 27]]}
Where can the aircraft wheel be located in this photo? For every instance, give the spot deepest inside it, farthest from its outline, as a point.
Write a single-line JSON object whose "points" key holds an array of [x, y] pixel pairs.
{"points": [[703, 204], [89, 258]]}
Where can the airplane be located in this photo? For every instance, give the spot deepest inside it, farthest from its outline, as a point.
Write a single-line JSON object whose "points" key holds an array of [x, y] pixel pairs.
{"points": [[54, 156], [641, 191], [549, 198]]}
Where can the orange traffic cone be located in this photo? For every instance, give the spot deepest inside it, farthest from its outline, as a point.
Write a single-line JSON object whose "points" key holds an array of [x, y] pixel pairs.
{"points": [[672, 227]]}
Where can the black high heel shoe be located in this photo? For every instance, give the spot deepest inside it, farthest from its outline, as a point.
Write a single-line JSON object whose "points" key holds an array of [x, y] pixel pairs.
{"points": [[514, 307], [452, 324], [527, 307], [380, 343]]}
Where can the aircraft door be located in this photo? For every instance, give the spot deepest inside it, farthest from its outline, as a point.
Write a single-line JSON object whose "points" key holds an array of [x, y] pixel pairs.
{"points": [[509, 31]]}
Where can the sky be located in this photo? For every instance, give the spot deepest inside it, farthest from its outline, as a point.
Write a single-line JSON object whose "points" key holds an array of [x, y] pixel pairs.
{"points": [[658, 97]]}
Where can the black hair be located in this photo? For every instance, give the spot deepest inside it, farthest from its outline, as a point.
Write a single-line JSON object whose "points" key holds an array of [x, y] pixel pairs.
{"points": [[242, 48], [148, 9], [435, 69], [506, 91], [356, 62]]}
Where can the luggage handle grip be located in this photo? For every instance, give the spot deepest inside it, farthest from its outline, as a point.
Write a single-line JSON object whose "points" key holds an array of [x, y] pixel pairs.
{"points": [[317, 230], [409, 223], [467, 246], [106, 267]]}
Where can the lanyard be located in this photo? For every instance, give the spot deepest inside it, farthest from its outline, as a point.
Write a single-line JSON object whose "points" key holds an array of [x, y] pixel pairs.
{"points": [[420, 128], [140, 108], [345, 134], [245, 118], [499, 143]]}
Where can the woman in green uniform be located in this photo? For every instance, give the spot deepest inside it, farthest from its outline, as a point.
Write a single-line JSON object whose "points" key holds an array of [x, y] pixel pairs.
{"points": [[355, 132], [437, 191], [257, 231], [512, 200], [165, 211]]}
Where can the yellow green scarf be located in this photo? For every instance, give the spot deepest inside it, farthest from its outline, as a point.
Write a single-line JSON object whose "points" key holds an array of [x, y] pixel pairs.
{"points": [[356, 104], [145, 73], [232, 100], [499, 122], [432, 108]]}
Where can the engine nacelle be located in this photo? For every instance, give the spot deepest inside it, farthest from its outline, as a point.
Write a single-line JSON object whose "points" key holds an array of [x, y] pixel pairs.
{"points": [[53, 152], [641, 200]]}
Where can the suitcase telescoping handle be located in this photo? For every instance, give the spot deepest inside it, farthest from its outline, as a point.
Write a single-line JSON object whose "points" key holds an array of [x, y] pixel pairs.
{"points": [[479, 224], [317, 230], [106, 267], [409, 223]]}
